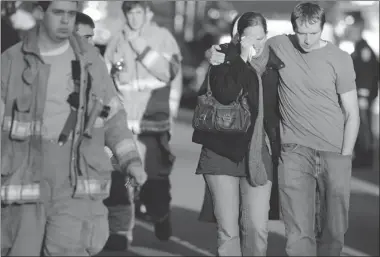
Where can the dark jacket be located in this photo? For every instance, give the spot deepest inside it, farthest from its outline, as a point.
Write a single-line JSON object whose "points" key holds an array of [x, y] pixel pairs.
{"points": [[226, 81], [366, 68]]}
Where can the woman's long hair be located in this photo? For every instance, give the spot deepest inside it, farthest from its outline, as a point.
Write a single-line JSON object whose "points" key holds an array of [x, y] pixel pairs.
{"points": [[246, 20]]}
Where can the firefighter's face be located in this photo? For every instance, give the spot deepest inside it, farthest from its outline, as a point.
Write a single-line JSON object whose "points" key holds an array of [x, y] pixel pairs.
{"points": [[308, 34], [136, 17], [87, 32], [59, 19]]}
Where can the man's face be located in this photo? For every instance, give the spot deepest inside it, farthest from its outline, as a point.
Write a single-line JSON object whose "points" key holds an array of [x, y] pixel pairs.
{"points": [[87, 32], [136, 17], [308, 34], [59, 19]]}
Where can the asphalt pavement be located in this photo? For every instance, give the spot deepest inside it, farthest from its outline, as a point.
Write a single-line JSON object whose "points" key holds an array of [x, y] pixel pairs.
{"points": [[194, 238]]}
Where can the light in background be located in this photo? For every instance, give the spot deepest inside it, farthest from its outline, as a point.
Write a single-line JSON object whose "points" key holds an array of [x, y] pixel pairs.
{"points": [[179, 18], [190, 20], [363, 3], [97, 10]]}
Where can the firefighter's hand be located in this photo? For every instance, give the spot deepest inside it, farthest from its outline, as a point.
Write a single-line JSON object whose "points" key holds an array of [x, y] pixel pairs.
{"points": [[213, 55], [137, 174]]}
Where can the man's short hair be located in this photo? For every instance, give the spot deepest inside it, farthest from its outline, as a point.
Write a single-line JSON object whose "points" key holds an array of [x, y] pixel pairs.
{"points": [[44, 5], [84, 19], [129, 5], [310, 12]]}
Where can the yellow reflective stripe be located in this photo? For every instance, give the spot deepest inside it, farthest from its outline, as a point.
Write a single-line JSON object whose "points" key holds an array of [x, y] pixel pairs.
{"points": [[114, 162], [21, 129], [12, 193], [363, 103], [174, 106], [108, 151], [150, 58], [363, 92], [167, 56], [137, 84], [115, 106], [124, 147], [92, 187], [267, 142], [99, 122], [137, 126], [375, 107], [175, 94], [2, 110]]}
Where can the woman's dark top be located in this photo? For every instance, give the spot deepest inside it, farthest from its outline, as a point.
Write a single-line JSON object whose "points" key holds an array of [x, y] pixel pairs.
{"points": [[226, 82]]}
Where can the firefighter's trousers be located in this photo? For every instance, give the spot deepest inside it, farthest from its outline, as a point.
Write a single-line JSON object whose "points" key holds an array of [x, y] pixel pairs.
{"points": [[59, 225], [154, 194]]}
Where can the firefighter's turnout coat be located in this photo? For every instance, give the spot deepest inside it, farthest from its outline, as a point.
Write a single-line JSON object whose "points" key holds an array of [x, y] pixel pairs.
{"points": [[24, 78]]}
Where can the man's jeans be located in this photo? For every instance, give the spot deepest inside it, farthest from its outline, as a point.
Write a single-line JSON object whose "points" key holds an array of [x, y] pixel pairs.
{"points": [[234, 198], [302, 171]]}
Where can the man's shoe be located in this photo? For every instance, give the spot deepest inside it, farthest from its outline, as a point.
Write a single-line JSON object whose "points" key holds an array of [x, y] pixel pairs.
{"points": [[163, 229]]}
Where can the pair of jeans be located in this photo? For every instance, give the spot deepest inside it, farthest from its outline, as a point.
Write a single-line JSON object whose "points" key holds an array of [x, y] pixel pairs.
{"points": [[241, 213], [304, 173]]}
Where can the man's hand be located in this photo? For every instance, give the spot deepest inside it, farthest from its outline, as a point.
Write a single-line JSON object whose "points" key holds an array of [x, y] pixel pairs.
{"points": [[137, 174], [213, 56]]}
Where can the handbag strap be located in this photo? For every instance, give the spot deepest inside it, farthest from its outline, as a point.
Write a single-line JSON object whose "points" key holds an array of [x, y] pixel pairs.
{"points": [[208, 92]]}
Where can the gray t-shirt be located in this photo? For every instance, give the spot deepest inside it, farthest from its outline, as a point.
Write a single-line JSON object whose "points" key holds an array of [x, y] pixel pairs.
{"points": [[59, 86], [310, 84]]}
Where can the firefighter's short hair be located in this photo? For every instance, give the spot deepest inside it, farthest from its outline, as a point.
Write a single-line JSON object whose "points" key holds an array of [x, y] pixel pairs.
{"points": [[84, 19], [129, 5], [45, 4]]}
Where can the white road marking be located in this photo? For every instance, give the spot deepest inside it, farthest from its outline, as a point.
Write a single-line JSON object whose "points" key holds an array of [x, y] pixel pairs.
{"points": [[145, 251], [177, 240], [361, 186], [278, 228]]}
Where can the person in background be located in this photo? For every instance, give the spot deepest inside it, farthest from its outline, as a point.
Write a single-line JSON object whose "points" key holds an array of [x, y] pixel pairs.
{"points": [[366, 65], [144, 60], [121, 191], [319, 126], [60, 110], [375, 130], [85, 26], [241, 209]]}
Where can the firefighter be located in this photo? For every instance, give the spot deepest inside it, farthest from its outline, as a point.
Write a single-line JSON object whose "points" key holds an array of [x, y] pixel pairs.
{"points": [[144, 60], [366, 66], [85, 27], [59, 110]]}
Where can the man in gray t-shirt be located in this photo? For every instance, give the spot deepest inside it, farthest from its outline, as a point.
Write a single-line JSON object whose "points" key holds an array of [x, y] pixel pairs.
{"points": [[320, 121]]}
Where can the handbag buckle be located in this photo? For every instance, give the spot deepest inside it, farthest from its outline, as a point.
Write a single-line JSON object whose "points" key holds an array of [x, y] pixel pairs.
{"points": [[202, 117], [227, 117]]}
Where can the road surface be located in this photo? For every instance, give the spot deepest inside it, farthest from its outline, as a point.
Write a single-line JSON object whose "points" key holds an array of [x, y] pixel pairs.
{"points": [[194, 238]]}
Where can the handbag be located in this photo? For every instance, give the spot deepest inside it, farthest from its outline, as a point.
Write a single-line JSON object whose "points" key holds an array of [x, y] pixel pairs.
{"points": [[212, 116]]}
